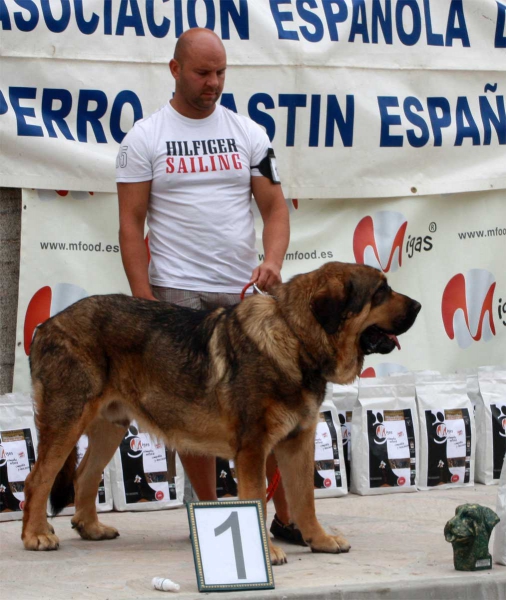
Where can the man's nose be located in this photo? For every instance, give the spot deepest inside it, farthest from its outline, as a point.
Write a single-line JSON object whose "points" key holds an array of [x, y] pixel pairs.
{"points": [[212, 80]]}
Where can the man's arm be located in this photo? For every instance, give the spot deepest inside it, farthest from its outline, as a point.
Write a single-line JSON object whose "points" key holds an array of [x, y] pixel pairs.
{"points": [[133, 205], [276, 233]]}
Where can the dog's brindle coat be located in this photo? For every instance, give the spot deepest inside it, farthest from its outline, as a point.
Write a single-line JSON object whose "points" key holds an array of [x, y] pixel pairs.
{"points": [[235, 382]]}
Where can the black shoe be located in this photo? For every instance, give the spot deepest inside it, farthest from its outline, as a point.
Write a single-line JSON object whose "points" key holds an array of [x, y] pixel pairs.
{"points": [[288, 533]]}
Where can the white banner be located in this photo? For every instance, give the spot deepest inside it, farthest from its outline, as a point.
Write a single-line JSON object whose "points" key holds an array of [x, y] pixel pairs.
{"points": [[371, 98], [447, 252]]}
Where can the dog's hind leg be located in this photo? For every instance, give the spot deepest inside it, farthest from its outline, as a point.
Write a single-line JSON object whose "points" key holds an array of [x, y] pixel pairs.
{"points": [[57, 441], [295, 458], [103, 439], [250, 470]]}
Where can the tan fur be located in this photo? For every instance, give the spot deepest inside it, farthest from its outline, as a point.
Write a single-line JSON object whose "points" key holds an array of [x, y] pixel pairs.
{"points": [[238, 383]]}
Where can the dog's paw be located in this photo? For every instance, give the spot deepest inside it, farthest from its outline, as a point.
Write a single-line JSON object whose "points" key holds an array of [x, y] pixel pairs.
{"points": [[342, 542], [44, 541], [332, 544], [278, 557], [95, 531]]}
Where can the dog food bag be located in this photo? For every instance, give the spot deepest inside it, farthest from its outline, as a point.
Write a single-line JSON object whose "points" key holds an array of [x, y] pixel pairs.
{"points": [[447, 432], [103, 500], [329, 469], [385, 437], [344, 398], [499, 553], [145, 475], [490, 425], [18, 443]]}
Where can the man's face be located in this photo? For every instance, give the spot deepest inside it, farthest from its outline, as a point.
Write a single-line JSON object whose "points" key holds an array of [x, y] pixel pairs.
{"points": [[200, 77]]}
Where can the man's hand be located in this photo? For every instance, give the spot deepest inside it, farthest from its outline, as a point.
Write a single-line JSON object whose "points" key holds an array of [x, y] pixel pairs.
{"points": [[266, 275]]}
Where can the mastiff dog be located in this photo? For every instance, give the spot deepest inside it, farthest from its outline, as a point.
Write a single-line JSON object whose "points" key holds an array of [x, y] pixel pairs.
{"points": [[236, 382]]}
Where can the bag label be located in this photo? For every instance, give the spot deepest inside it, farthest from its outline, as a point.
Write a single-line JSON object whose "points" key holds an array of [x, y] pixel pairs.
{"points": [[148, 468], [392, 457], [327, 468], [449, 446], [498, 437], [17, 457]]}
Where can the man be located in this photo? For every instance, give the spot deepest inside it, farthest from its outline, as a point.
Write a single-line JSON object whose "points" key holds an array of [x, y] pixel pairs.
{"points": [[191, 168]]}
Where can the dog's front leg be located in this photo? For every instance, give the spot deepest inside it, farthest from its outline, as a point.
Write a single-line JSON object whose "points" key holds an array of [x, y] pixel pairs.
{"points": [[295, 458], [250, 469]]}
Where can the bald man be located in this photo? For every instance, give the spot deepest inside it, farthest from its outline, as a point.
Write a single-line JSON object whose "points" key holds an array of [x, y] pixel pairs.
{"points": [[191, 169]]}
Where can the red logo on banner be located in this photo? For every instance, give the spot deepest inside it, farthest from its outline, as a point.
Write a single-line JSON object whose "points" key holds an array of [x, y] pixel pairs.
{"points": [[159, 495], [466, 307], [378, 240], [47, 302]]}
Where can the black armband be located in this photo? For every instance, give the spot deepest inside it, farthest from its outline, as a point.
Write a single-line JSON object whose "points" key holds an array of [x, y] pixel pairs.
{"points": [[268, 168]]}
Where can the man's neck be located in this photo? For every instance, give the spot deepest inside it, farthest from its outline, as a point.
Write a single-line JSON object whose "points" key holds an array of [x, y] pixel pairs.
{"points": [[189, 111]]}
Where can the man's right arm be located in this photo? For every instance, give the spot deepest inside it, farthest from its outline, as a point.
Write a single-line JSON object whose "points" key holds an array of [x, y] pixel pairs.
{"points": [[133, 205]]}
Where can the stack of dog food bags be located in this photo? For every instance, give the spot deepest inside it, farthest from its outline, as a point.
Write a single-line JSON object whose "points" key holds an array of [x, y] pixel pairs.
{"points": [[447, 431], [344, 398], [103, 501], [18, 443], [329, 468], [385, 436], [145, 475], [490, 424]]}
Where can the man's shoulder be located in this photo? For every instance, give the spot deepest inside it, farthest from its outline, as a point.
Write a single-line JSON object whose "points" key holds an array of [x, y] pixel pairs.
{"points": [[246, 123], [153, 119]]}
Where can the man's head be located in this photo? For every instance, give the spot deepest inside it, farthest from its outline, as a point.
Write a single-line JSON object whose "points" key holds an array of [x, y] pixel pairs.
{"points": [[198, 67]]}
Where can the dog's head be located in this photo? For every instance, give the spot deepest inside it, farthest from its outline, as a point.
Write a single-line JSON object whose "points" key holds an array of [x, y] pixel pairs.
{"points": [[356, 312], [471, 521]]}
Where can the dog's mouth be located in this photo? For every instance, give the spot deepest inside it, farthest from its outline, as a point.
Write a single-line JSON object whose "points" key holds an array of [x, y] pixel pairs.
{"points": [[375, 340]]}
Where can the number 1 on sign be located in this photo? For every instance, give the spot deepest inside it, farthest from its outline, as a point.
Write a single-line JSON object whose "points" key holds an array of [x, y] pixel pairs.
{"points": [[232, 523]]}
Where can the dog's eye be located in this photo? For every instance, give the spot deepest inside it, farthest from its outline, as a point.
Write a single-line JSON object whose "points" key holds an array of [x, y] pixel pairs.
{"points": [[381, 293]]}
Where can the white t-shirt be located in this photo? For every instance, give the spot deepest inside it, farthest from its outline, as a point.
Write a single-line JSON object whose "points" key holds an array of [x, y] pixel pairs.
{"points": [[201, 226]]}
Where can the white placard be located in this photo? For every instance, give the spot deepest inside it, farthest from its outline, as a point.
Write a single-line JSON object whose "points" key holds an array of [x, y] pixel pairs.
{"points": [[230, 545]]}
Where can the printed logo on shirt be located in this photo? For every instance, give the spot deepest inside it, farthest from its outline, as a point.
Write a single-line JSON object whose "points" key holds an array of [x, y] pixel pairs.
{"points": [[202, 156]]}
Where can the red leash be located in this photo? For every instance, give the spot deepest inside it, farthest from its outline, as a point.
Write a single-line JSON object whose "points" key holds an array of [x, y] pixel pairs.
{"points": [[276, 478]]}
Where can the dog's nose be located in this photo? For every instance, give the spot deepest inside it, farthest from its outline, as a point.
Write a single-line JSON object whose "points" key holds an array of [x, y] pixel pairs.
{"points": [[416, 307]]}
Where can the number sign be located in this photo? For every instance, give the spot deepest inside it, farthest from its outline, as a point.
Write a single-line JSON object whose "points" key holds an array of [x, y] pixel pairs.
{"points": [[230, 545]]}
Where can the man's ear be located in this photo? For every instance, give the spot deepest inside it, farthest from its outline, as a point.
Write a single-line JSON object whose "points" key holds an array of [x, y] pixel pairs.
{"points": [[329, 303]]}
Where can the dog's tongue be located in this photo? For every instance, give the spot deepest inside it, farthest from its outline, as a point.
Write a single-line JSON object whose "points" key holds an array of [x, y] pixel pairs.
{"points": [[394, 340]]}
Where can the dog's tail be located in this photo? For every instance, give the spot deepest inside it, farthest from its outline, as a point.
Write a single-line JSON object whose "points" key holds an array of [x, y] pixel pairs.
{"points": [[62, 492]]}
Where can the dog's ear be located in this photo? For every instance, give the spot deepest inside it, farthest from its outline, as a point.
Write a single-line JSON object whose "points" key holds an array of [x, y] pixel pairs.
{"points": [[329, 303], [490, 519]]}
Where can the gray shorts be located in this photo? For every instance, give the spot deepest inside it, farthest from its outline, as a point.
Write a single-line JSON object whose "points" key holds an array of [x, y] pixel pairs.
{"points": [[192, 299]]}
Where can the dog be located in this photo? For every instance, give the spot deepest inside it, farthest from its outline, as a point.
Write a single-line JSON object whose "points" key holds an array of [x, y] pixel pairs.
{"points": [[469, 532], [235, 382]]}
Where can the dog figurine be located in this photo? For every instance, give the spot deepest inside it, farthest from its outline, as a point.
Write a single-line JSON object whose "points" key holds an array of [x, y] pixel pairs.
{"points": [[469, 533]]}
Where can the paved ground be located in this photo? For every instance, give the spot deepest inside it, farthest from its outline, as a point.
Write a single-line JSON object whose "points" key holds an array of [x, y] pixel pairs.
{"points": [[398, 552]]}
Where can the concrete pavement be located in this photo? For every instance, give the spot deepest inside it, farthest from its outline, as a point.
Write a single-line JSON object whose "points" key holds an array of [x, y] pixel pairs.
{"points": [[398, 552]]}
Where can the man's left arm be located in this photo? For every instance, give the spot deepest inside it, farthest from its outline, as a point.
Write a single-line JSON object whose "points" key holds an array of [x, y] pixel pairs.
{"points": [[276, 232]]}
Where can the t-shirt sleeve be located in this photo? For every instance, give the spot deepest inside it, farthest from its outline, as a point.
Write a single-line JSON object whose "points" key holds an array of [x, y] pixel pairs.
{"points": [[260, 143], [133, 163]]}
